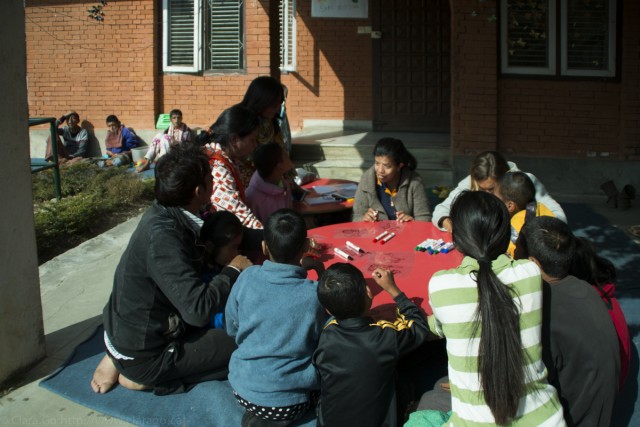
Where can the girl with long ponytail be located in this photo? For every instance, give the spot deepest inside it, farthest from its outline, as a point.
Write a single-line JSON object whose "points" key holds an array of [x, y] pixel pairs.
{"points": [[489, 308]]}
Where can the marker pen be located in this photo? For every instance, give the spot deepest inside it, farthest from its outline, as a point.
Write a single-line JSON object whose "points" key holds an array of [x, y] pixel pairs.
{"points": [[354, 247], [447, 248], [434, 244], [389, 237], [438, 247], [342, 254], [423, 246], [380, 236]]}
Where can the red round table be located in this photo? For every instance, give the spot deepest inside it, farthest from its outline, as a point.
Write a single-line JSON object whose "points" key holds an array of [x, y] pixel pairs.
{"points": [[324, 213], [412, 269]]}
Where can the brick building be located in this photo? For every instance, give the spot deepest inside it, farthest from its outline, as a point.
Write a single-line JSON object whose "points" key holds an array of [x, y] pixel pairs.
{"points": [[476, 69]]}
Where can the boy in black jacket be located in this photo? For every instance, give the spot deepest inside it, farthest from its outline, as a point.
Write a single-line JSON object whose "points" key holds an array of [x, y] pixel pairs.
{"points": [[356, 356]]}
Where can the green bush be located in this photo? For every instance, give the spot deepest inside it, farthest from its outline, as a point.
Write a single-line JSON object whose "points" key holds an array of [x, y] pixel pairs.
{"points": [[90, 197]]}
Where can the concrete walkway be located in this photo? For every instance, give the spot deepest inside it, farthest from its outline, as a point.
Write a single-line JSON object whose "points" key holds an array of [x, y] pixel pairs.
{"points": [[75, 287]]}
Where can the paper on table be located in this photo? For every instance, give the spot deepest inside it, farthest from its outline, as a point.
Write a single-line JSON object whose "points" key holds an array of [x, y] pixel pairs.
{"points": [[346, 190], [318, 200]]}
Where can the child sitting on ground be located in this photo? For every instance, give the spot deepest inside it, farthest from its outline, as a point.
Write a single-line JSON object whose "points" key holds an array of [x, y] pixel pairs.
{"points": [[268, 191], [221, 234], [517, 191], [275, 317], [119, 142], [176, 133], [579, 342], [599, 272], [356, 356]]}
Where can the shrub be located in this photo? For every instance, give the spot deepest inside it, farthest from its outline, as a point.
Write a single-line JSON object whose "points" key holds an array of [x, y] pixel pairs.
{"points": [[93, 199]]}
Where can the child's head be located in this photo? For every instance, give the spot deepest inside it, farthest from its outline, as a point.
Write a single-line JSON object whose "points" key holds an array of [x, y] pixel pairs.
{"points": [[271, 161], [221, 234], [550, 243], [591, 267], [516, 190], [264, 97], [285, 237], [486, 169], [176, 117], [113, 124], [481, 225], [343, 291], [182, 175]]}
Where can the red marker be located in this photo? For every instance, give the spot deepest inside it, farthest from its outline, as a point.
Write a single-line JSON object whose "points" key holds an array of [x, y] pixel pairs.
{"points": [[389, 237], [380, 236]]}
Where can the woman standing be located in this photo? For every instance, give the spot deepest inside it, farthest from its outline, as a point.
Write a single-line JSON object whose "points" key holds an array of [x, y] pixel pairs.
{"points": [[391, 189]]}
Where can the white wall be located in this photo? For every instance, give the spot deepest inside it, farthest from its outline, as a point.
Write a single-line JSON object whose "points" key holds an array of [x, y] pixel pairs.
{"points": [[21, 328]]}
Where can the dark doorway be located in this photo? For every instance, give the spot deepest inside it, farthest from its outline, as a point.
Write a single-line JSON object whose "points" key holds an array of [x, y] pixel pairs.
{"points": [[411, 65]]}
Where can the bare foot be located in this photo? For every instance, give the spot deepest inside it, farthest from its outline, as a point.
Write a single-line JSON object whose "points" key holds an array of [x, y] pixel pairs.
{"points": [[105, 376], [127, 383]]}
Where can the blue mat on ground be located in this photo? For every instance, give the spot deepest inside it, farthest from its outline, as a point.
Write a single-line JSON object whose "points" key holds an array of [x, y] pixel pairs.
{"points": [[207, 404]]}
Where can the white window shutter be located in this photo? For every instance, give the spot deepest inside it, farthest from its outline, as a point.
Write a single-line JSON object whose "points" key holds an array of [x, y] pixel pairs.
{"points": [[182, 32], [288, 35]]}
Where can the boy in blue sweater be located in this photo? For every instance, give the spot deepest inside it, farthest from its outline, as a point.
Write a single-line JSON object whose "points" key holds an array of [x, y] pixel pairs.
{"points": [[275, 317]]}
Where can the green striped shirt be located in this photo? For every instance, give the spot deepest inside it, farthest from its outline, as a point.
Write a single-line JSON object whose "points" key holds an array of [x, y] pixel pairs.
{"points": [[453, 296]]}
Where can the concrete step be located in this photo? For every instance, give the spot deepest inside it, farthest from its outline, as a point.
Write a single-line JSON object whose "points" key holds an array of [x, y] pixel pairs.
{"points": [[347, 169]]}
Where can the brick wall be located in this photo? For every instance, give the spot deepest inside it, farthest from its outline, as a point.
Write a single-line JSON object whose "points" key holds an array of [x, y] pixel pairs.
{"points": [[115, 67], [95, 68], [474, 85], [334, 76]]}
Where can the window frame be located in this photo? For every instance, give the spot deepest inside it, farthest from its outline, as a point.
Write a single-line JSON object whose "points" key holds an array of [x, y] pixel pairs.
{"points": [[557, 54], [199, 43]]}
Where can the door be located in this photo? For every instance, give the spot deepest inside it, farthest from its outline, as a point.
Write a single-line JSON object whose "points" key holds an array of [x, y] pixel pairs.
{"points": [[411, 69]]}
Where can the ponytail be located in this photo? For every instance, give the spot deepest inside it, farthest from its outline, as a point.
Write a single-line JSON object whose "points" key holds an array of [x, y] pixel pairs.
{"points": [[481, 230]]}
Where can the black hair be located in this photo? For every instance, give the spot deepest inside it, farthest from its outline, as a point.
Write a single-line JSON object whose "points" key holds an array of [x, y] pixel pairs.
{"points": [[175, 111], [518, 188], [262, 93], [285, 235], [179, 172], [112, 118], [488, 164], [342, 290], [550, 241], [235, 120], [587, 265], [481, 229], [396, 151], [266, 158], [218, 230]]}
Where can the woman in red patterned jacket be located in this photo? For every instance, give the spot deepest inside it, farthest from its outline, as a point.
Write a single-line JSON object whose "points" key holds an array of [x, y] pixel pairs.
{"points": [[230, 140]]}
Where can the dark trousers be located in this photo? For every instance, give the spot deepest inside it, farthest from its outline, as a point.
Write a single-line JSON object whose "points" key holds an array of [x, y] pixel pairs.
{"points": [[199, 355]]}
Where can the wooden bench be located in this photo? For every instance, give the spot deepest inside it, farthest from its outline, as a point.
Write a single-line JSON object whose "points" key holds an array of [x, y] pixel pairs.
{"points": [[39, 164]]}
